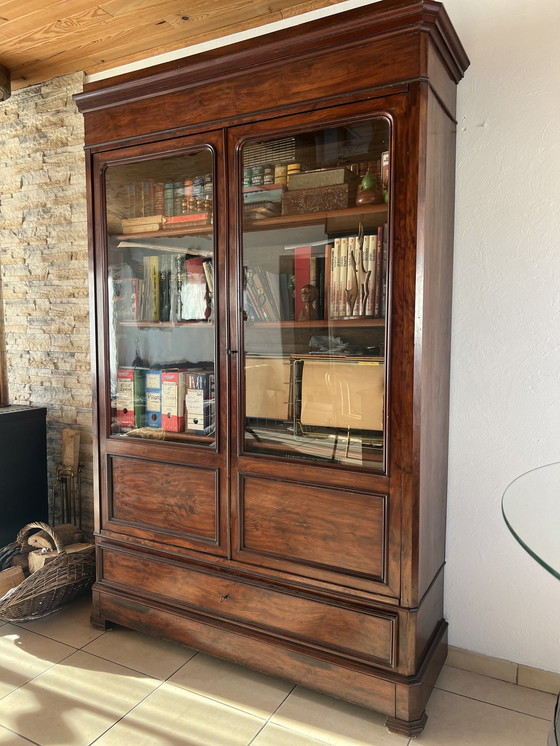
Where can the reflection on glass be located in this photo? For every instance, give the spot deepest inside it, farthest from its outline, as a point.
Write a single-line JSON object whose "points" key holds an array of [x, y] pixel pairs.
{"points": [[315, 256], [161, 298]]}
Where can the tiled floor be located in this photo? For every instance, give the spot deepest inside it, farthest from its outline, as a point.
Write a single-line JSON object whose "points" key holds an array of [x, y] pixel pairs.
{"points": [[63, 683]]}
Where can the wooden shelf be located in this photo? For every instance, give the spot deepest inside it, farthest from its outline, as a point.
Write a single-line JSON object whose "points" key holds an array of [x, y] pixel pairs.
{"points": [[167, 324], [205, 229], [334, 220], [318, 323]]}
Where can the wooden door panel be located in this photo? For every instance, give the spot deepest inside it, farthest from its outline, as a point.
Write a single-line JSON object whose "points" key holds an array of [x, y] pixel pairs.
{"points": [[310, 528], [153, 499]]}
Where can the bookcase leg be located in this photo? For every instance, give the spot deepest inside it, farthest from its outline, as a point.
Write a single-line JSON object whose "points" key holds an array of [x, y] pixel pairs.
{"points": [[409, 728]]}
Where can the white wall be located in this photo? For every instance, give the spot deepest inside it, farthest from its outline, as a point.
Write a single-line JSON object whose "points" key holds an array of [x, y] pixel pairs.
{"points": [[505, 387]]}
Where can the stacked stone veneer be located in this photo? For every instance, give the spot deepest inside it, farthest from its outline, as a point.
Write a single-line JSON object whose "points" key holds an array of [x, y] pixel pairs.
{"points": [[44, 267]]}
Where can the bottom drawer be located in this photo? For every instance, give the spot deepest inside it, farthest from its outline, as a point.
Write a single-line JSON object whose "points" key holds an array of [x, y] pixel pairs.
{"points": [[361, 634]]}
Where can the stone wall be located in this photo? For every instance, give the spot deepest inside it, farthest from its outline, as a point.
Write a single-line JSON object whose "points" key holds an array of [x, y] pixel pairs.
{"points": [[44, 268]]}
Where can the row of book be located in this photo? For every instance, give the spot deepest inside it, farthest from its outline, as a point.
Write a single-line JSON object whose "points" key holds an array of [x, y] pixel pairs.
{"points": [[344, 278], [174, 287], [357, 279], [151, 197], [173, 400]]}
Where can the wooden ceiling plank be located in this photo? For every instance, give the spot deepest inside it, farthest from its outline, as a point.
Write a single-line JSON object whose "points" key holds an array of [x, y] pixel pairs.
{"points": [[290, 10], [22, 23], [93, 57], [116, 56], [71, 35], [56, 34], [82, 29]]}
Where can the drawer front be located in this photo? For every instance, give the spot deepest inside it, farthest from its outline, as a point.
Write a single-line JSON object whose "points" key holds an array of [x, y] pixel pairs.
{"points": [[360, 634], [156, 500], [311, 530]]}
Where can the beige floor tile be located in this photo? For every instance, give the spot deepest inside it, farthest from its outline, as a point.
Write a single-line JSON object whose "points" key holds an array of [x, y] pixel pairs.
{"points": [[74, 702], [275, 735], [142, 653], [69, 625], [546, 681], [485, 689], [334, 722], [484, 664], [173, 716], [459, 721], [24, 655], [9, 738], [233, 685]]}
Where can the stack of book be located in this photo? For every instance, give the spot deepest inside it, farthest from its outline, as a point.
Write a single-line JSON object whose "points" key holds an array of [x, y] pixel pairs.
{"points": [[341, 279], [170, 399], [174, 287]]}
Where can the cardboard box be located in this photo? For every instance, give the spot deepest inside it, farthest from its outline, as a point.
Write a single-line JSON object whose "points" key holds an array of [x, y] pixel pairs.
{"points": [[343, 394], [267, 387]]}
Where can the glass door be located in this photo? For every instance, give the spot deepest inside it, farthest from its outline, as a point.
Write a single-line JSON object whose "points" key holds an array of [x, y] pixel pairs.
{"points": [[315, 253], [161, 305]]}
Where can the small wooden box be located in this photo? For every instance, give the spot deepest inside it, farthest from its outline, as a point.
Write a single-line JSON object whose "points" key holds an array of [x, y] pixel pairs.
{"points": [[322, 177], [322, 199]]}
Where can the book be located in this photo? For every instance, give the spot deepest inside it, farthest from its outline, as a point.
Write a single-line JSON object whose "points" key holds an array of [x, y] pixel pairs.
{"points": [[189, 218], [153, 398], [126, 298], [142, 228], [371, 263], [302, 275], [173, 390], [131, 397], [334, 280], [200, 402], [150, 296], [378, 284], [194, 291], [341, 289], [351, 290]]}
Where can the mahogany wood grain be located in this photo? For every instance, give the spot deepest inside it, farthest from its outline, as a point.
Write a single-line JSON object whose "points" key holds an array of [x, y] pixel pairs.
{"points": [[367, 634], [329, 575], [312, 526], [164, 497]]}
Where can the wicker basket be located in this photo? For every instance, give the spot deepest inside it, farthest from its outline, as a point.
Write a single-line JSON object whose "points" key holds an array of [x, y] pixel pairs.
{"points": [[47, 589]]}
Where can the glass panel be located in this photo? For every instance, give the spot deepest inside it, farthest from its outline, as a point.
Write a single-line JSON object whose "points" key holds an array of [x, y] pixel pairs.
{"points": [[315, 252], [160, 298]]}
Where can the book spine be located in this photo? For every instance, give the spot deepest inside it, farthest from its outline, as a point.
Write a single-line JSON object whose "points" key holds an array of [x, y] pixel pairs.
{"points": [[378, 273], [335, 280], [131, 397], [302, 271], [153, 398], [343, 277], [372, 253], [173, 390]]}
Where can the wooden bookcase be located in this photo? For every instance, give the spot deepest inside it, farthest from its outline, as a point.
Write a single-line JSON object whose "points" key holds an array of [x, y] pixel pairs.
{"points": [[271, 476]]}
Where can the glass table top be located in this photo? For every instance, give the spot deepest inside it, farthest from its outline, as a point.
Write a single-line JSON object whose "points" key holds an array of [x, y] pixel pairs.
{"points": [[531, 508]]}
